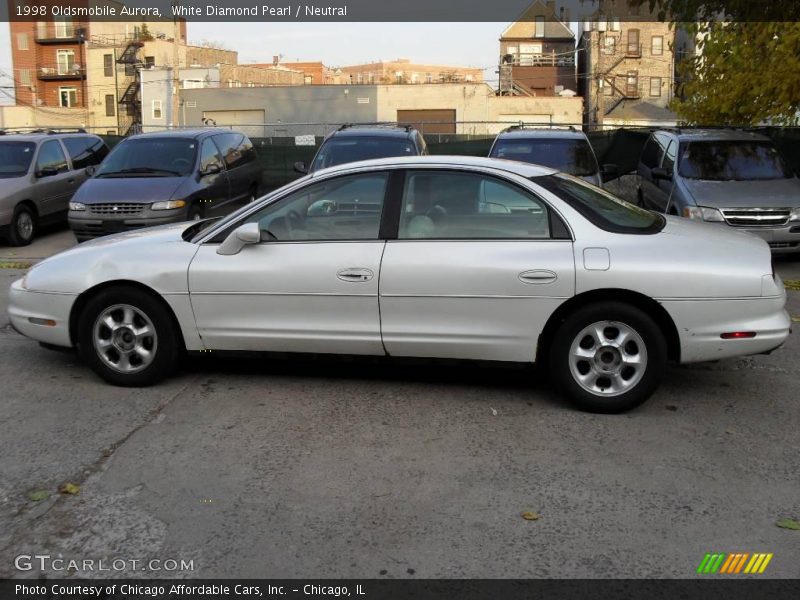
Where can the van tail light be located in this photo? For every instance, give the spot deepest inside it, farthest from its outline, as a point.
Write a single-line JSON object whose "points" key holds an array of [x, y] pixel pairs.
{"points": [[738, 335]]}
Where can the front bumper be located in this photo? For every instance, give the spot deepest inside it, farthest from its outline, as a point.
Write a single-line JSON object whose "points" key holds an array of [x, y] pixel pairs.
{"points": [[87, 226], [781, 240], [28, 310], [701, 322]]}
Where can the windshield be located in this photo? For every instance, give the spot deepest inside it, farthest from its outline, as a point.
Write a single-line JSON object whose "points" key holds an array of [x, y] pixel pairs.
{"points": [[726, 161], [15, 158], [150, 157], [601, 208], [569, 156], [337, 151]]}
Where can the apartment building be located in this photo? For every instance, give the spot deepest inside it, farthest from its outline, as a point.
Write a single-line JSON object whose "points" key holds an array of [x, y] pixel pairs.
{"points": [[314, 72], [628, 67], [403, 71], [537, 53]]}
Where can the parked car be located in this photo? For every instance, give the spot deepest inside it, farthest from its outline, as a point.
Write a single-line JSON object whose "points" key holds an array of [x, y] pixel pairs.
{"points": [[563, 148], [602, 291], [351, 143], [166, 177], [724, 176], [39, 174]]}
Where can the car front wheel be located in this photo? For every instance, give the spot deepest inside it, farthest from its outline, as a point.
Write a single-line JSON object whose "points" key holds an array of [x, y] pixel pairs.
{"points": [[23, 226], [128, 337], [608, 357]]}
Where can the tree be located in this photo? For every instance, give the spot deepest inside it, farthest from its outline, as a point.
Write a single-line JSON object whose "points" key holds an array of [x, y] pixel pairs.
{"points": [[747, 69]]}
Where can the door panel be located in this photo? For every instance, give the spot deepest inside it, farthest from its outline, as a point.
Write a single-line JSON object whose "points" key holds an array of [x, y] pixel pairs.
{"points": [[288, 296], [468, 299]]}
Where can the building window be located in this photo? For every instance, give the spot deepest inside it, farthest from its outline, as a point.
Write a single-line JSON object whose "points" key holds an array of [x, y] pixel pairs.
{"points": [[149, 62], [371, 78], [632, 84], [308, 79], [66, 61], [428, 77], [157, 112], [108, 65], [110, 108], [25, 76], [22, 41], [398, 77], [64, 28], [230, 83], [360, 78], [610, 45], [657, 45], [655, 86], [608, 87], [614, 24], [251, 84], [67, 97], [538, 27]]}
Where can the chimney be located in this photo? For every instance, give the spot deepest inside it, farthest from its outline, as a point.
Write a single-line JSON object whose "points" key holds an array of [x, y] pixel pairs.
{"points": [[275, 60], [551, 7]]}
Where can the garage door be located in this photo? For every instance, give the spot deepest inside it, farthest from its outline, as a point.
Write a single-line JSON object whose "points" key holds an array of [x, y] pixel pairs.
{"points": [[429, 120], [247, 121]]}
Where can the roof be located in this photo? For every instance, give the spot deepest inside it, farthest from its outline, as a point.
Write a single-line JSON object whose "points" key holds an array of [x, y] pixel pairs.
{"points": [[641, 110], [719, 135], [525, 25], [399, 131], [510, 166], [533, 132], [185, 133], [35, 136]]}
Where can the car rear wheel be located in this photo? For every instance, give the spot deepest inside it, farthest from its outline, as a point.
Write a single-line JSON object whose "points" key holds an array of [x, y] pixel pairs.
{"points": [[608, 357], [128, 337], [22, 228]]}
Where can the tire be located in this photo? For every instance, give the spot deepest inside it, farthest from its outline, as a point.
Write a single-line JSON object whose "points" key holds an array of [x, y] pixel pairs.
{"points": [[118, 355], [596, 368], [195, 212], [22, 228]]}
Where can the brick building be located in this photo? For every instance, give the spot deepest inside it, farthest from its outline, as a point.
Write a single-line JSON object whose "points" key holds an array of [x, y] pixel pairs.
{"points": [[403, 71]]}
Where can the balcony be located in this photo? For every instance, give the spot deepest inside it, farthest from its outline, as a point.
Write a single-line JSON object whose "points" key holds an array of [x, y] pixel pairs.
{"points": [[61, 72], [538, 60], [60, 33]]}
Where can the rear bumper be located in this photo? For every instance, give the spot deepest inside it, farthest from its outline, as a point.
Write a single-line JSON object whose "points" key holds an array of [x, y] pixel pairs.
{"points": [[86, 226], [27, 310], [701, 322]]}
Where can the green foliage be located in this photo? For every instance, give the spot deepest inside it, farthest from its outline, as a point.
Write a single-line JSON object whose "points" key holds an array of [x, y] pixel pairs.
{"points": [[744, 73]]}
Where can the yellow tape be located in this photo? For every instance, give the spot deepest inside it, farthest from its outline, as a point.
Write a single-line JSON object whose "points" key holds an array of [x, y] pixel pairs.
{"points": [[15, 265], [792, 284]]}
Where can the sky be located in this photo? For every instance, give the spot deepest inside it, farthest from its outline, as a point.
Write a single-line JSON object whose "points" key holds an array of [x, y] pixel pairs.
{"points": [[463, 44]]}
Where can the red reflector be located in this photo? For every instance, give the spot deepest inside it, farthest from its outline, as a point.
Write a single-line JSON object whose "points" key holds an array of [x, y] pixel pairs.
{"points": [[738, 335]]}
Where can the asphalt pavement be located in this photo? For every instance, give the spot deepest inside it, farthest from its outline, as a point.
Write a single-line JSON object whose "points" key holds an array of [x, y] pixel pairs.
{"points": [[321, 467]]}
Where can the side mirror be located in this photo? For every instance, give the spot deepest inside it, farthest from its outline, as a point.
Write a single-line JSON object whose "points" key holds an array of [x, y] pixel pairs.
{"points": [[660, 173], [301, 167], [47, 172], [90, 170], [244, 235], [609, 171], [212, 169]]}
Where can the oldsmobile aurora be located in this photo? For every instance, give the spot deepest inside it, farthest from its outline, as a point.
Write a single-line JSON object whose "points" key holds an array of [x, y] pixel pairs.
{"points": [[451, 257]]}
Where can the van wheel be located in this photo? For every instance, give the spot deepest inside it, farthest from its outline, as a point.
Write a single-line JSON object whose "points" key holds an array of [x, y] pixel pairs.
{"points": [[608, 357], [22, 228], [195, 212], [128, 337]]}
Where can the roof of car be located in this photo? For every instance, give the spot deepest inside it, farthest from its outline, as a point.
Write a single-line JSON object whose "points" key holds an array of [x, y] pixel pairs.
{"points": [[716, 135], [511, 166], [374, 131], [32, 136], [184, 133], [561, 133]]}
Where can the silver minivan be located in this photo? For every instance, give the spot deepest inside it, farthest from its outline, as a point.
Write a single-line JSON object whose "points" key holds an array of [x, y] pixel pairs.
{"points": [[39, 173], [724, 176]]}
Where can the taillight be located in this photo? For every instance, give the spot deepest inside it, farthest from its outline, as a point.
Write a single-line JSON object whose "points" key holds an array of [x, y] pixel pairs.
{"points": [[738, 335]]}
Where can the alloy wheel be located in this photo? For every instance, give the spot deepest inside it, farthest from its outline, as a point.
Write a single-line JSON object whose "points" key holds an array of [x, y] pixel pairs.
{"points": [[125, 338]]}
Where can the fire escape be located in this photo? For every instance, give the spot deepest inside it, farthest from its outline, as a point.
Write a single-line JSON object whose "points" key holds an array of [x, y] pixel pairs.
{"points": [[631, 50], [130, 99]]}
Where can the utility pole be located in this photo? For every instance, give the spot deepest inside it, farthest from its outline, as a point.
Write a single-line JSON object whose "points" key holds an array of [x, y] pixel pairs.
{"points": [[601, 83]]}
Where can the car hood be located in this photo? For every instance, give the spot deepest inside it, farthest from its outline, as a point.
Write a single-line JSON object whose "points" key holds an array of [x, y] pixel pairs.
{"points": [[155, 256], [140, 190], [742, 194]]}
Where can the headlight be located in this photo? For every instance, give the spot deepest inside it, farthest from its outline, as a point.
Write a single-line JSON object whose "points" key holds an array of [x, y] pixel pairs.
{"points": [[795, 216], [76, 206], [168, 204], [703, 213]]}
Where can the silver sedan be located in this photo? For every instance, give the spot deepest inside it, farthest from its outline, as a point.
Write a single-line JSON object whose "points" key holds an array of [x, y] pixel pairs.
{"points": [[440, 257]]}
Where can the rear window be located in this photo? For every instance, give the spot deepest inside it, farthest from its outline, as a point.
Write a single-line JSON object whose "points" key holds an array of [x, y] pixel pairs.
{"points": [[573, 156], [15, 158], [601, 208], [341, 150], [85, 151], [731, 160]]}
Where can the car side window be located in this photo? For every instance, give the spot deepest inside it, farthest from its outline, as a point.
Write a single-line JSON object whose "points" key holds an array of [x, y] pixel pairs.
{"points": [[209, 155], [230, 145], [85, 151], [650, 154], [247, 151], [669, 156], [51, 156], [344, 208], [453, 205]]}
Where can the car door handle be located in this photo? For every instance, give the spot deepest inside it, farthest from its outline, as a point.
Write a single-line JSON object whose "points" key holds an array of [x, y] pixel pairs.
{"points": [[537, 276], [355, 274]]}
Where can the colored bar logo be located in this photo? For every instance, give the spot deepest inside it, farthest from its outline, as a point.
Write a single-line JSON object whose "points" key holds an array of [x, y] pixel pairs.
{"points": [[734, 563]]}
